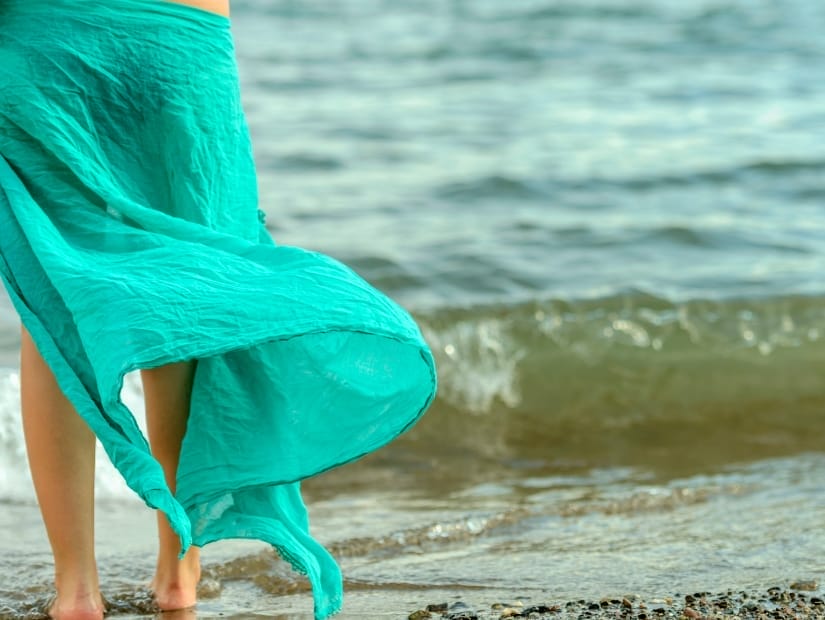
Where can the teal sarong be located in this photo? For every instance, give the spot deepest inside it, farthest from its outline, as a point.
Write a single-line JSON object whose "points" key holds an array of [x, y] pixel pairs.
{"points": [[130, 237]]}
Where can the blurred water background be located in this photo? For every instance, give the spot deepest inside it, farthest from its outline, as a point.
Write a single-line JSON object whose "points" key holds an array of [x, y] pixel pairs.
{"points": [[608, 217]]}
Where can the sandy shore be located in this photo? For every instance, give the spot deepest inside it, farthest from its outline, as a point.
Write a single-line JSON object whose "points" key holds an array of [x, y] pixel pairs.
{"points": [[801, 600]]}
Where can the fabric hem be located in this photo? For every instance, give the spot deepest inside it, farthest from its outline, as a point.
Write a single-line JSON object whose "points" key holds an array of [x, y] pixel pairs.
{"points": [[203, 352], [335, 604]]}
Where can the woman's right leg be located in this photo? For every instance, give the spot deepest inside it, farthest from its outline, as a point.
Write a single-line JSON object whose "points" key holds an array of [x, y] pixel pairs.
{"points": [[61, 452], [167, 392]]}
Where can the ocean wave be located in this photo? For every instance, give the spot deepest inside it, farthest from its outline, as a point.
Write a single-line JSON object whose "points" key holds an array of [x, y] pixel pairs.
{"points": [[626, 380], [501, 186], [630, 379], [499, 355]]}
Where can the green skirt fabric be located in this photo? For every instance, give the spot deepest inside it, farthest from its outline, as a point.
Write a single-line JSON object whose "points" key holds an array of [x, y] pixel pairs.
{"points": [[130, 237]]}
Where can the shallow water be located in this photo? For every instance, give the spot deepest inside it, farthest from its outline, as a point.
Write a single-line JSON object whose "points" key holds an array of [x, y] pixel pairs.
{"points": [[607, 217], [550, 536]]}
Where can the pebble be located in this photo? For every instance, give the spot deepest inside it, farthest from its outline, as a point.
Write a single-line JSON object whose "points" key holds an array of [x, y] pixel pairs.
{"points": [[506, 605], [808, 585], [541, 609]]}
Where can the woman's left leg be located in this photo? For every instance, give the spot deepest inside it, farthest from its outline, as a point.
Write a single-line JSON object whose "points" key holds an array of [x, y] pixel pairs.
{"points": [[61, 452]]}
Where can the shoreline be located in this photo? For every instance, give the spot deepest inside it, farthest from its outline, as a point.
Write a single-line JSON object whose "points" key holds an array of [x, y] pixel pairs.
{"points": [[800, 600]]}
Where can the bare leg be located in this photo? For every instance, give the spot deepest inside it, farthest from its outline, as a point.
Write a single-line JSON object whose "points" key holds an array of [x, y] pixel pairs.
{"points": [[167, 392], [61, 451]]}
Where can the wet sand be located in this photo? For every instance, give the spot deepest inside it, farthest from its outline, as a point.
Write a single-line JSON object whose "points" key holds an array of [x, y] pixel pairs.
{"points": [[776, 603], [587, 547], [799, 600]]}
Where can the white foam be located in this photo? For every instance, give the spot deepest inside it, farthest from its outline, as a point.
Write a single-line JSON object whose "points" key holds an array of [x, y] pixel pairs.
{"points": [[478, 364], [15, 479]]}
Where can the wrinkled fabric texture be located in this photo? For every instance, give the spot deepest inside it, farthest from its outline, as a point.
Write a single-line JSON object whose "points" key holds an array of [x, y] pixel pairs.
{"points": [[130, 237]]}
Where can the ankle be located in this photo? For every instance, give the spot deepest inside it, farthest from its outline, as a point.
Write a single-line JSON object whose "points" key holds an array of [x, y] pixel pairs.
{"points": [[174, 573], [176, 580], [176, 591], [171, 567], [78, 603], [181, 579], [78, 588]]}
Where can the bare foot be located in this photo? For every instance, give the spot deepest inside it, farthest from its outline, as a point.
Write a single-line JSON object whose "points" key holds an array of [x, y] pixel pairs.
{"points": [[176, 583], [82, 607]]}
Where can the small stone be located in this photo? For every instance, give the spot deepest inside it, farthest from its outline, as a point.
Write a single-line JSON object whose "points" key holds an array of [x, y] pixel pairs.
{"points": [[541, 609], [642, 616], [809, 585], [437, 607], [459, 606], [627, 604], [659, 610], [594, 606], [419, 615], [668, 600], [817, 602], [509, 612], [691, 613]]}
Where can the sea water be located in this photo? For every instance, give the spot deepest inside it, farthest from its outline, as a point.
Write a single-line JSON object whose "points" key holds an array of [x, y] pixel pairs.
{"points": [[609, 219]]}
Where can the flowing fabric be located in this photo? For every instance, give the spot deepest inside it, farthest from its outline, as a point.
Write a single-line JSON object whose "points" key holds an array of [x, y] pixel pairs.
{"points": [[130, 237]]}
